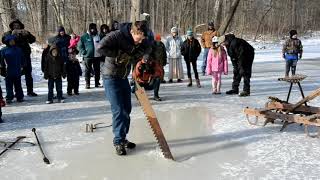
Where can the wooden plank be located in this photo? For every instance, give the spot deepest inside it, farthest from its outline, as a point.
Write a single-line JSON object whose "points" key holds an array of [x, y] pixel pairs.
{"points": [[285, 107], [313, 95]]}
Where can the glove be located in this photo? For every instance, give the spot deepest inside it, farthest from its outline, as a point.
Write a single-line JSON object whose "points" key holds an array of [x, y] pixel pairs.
{"points": [[23, 72], [300, 56], [2, 103], [16, 31], [145, 58], [24, 32], [284, 56]]}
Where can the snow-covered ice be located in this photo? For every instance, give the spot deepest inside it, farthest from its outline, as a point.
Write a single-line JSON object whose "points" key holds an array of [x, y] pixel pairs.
{"points": [[208, 135]]}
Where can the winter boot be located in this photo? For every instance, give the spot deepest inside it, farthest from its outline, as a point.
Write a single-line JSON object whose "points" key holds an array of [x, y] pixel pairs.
{"points": [[120, 149], [198, 83], [32, 94], [49, 102], [244, 94], [170, 81], [179, 80], [97, 84], [157, 98], [190, 83], [232, 91], [60, 101], [87, 86], [129, 145]]}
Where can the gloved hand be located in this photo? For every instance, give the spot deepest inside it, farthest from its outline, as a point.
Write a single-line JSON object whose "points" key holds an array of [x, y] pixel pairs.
{"points": [[145, 58], [16, 31], [300, 56], [2, 102], [284, 56]]}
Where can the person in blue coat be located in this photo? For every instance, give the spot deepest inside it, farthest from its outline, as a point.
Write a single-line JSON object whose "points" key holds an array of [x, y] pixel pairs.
{"points": [[23, 40], [12, 63]]}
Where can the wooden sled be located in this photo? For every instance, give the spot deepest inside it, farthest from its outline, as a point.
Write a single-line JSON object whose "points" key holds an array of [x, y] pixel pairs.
{"points": [[288, 113]]}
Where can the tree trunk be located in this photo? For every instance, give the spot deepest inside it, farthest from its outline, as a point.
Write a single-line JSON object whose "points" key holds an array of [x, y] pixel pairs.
{"points": [[218, 13], [135, 10], [42, 19], [7, 13], [224, 26]]}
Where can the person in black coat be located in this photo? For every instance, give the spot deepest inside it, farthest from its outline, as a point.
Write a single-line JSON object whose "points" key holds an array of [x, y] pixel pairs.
{"points": [[191, 49], [104, 30], [242, 56], [62, 42], [73, 72], [53, 67], [23, 39]]}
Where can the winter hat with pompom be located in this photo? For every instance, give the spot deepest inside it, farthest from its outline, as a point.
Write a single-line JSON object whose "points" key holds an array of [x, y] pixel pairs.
{"points": [[158, 37]]}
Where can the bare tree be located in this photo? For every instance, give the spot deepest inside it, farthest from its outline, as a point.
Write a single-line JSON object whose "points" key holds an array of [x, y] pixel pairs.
{"points": [[7, 13], [226, 22]]}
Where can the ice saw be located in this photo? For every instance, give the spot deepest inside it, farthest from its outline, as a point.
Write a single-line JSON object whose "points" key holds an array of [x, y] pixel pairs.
{"points": [[153, 121]]}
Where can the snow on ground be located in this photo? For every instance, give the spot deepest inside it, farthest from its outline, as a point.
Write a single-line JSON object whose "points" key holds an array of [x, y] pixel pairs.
{"points": [[208, 135]]}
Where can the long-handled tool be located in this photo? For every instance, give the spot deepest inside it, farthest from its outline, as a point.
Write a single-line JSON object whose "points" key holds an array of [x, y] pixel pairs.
{"points": [[12, 144], [45, 159], [153, 121]]}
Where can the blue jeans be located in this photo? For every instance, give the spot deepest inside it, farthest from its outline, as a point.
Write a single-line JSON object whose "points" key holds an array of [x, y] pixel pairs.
{"points": [[204, 61], [16, 83], [51, 82], [118, 92]]}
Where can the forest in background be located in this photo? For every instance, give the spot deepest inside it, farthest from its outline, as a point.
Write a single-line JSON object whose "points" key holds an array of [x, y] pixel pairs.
{"points": [[253, 18]]}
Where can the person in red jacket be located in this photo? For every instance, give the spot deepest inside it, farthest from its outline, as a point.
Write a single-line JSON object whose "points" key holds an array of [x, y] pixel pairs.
{"points": [[74, 41], [148, 75]]}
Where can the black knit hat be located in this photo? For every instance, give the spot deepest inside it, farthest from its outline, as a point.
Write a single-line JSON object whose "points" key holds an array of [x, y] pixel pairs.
{"points": [[293, 32], [211, 23], [92, 26]]}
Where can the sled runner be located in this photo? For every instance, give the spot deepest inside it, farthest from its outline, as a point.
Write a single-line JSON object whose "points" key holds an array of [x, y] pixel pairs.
{"points": [[288, 113]]}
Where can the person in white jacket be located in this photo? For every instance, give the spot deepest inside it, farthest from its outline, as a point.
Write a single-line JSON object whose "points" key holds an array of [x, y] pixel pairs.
{"points": [[173, 47]]}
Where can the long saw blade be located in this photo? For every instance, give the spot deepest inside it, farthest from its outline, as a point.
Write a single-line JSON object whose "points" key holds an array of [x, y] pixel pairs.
{"points": [[153, 121]]}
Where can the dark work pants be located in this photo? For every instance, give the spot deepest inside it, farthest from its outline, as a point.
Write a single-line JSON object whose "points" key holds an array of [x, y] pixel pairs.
{"points": [[92, 65], [73, 84], [14, 83], [244, 71], [291, 64], [28, 74], [51, 82], [194, 66], [153, 85]]}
